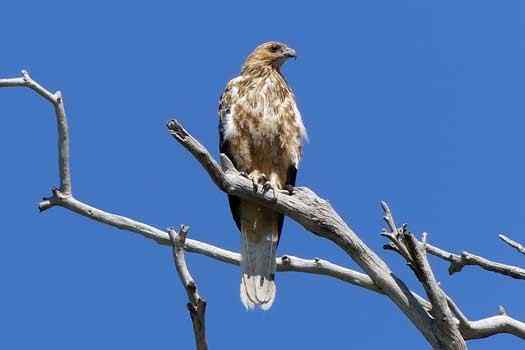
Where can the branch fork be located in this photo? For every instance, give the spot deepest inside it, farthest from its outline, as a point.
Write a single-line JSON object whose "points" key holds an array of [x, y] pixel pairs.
{"points": [[445, 324]]}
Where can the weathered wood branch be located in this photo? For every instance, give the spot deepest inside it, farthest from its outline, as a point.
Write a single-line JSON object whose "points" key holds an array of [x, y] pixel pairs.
{"points": [[317, 216], [446, 326], [519, 247], [487, 327], [285, 263], [196, 305], [63, 132], [442, 305], [458, 261], [490, 326], [303, 206]]}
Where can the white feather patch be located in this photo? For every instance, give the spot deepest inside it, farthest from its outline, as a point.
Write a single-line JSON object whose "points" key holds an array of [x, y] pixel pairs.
{"points": [[257, 272]]}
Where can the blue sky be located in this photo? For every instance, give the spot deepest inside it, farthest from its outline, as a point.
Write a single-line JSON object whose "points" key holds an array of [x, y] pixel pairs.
{"points": [[419, 103]]}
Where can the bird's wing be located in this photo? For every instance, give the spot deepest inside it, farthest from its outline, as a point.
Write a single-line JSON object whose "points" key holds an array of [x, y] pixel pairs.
{"points": [[225, 125], [290, 180]]}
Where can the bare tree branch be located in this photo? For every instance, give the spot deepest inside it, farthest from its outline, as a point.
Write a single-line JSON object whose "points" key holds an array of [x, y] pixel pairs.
{"points": [[469, 329], [520, 248], [196, 305], [285, 263], [457, 262], [479, 329], [445, 324], [63, 134], [317, 216], [303, 206], [490, 326]]}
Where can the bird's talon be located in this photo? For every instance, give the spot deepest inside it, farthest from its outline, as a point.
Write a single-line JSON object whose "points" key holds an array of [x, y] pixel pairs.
{"points": [[251, 178], [290, 189], [269, 186]]}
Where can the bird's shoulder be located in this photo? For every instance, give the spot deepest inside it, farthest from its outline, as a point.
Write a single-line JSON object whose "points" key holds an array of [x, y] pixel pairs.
{"points": [[230, 95], [228, 99]]}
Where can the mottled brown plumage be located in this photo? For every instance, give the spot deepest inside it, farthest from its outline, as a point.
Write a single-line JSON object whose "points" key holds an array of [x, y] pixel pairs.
{"points": [[262, 133]]}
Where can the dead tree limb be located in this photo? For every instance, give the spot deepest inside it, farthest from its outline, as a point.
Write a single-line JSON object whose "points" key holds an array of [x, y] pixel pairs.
{"points": [[519, 247], [63, 132], [196, 305], [458, 261], [317, 216], [445, 311], [446, 325]]}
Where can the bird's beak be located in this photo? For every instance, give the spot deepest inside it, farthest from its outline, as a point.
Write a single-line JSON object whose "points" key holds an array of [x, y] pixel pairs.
{"points": [[290, 53]]}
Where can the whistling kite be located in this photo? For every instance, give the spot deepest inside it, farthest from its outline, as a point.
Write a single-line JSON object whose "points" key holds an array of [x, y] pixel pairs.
{"points": [[262, 133]]}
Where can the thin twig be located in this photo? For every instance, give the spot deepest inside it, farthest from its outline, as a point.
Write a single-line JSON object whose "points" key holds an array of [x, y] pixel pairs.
{"points": [[457, 262], [57, 101], [196, 305], [519, 247]]}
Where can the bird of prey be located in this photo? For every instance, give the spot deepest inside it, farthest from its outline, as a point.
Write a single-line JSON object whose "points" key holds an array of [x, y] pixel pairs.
{"points": [[262, 132]]}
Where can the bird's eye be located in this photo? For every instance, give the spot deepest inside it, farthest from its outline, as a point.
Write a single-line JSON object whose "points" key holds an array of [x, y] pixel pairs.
{"points": [[274, 48]]}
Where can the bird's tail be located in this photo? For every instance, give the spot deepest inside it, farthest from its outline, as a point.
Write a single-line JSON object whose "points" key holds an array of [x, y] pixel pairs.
{"points": [[259, 238]]}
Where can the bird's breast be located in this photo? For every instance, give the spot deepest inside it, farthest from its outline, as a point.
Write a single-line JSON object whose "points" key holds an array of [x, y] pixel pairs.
{"points": [[265, 127]]}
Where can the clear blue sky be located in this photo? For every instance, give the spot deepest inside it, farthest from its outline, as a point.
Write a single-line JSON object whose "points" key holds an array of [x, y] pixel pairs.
{"points": [[414, 102]]}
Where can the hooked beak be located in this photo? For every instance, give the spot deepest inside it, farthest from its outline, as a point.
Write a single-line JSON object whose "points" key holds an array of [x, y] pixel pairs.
{"points": [[290, 53]]}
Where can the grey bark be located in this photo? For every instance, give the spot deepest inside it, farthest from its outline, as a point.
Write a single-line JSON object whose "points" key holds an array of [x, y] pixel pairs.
{"points": [[519, 247], [445, 324], [457, 262]]}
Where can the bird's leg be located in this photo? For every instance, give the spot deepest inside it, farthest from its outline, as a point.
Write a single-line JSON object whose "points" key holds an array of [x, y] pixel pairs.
{"points": [[263, 178], [268, 185]]}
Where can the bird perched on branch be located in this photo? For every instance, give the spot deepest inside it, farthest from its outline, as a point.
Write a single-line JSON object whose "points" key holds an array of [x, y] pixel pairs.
{"points": [[262, 133]]}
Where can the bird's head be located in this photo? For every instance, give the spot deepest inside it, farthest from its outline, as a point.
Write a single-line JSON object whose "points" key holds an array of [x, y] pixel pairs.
{"points": [[272, 54]]}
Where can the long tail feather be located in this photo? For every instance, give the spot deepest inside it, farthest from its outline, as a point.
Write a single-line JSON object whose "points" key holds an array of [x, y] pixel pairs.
{"points": [[258, 245]]}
